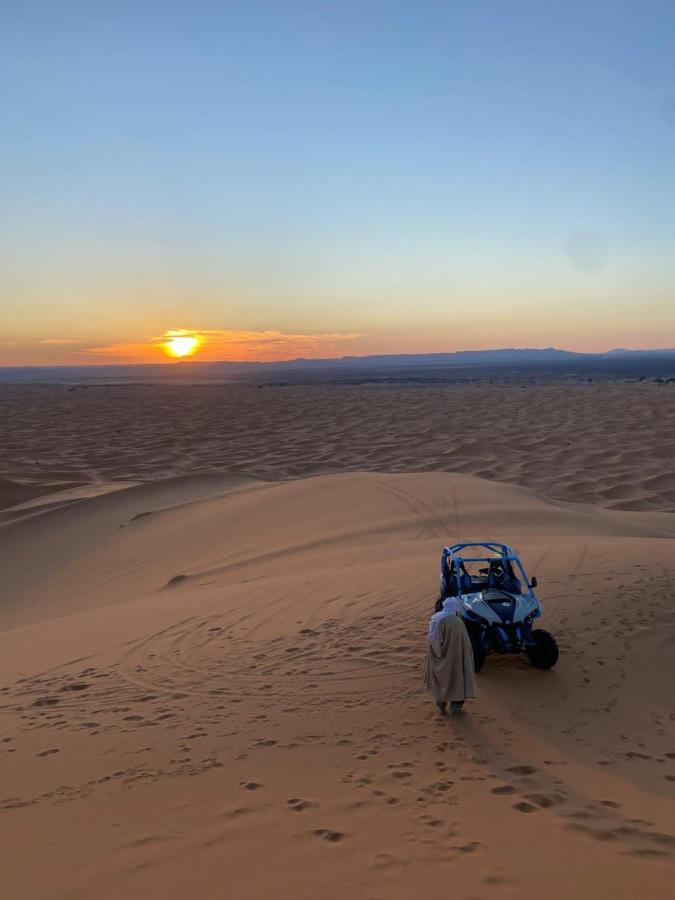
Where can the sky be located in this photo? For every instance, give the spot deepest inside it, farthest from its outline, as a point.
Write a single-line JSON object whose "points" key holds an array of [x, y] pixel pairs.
{"points": [[283, 179]]}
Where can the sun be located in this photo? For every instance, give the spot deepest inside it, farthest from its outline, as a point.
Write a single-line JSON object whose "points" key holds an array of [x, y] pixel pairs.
{"points": [[180, 343]]}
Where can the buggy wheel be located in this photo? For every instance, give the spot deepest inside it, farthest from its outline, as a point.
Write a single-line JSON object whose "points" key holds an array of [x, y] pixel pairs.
{"points": [[478, 651], [543, 651]]}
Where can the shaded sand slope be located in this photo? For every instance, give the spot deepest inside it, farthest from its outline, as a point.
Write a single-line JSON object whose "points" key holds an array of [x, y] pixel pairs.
{"points": [[47, 537], [223, 697]]}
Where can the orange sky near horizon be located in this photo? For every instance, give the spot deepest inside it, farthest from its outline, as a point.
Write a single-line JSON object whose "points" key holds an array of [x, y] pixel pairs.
{"points": [[211, 345], [214, 345]]}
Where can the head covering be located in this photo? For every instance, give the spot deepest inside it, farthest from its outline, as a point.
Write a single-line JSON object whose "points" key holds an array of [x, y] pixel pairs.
{"points": [[449, 609]]}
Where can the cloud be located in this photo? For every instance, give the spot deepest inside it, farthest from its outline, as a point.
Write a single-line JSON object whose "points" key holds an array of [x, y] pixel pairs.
{"points": [[234, 346], [61, 342]]}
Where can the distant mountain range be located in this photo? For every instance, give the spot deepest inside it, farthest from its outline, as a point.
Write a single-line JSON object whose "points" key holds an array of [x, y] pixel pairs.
{"points": [[393, 362], [464, 357]]}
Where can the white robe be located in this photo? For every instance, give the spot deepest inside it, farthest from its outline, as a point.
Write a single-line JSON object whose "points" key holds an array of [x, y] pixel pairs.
{"points": [[450, 670]]}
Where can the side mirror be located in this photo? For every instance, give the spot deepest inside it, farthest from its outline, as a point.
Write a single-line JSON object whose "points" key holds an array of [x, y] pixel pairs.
{"points": [[533, 583]]}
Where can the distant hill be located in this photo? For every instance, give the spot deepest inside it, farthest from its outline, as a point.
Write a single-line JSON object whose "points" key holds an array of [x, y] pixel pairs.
{"points": [[549, 357], [624, 352], [459, 357]]}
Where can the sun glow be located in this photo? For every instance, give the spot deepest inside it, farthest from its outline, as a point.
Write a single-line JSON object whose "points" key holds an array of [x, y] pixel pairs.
{"points": [[181, 343]]}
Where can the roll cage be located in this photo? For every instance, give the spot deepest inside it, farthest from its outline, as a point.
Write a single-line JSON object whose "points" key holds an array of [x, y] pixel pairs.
{"points": [[453, 558]]}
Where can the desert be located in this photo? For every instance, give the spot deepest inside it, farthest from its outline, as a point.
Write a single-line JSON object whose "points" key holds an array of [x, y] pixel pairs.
{"points": [[337, 451], [213, 624]]}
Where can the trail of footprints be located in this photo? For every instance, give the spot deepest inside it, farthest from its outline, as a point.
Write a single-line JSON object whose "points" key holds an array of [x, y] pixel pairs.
{"points": [[190, 680], [602, 643], [532, 790], [432, 806]]}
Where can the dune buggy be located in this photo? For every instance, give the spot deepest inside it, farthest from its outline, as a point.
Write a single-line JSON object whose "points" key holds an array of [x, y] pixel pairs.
{"points": [[496, 602]]}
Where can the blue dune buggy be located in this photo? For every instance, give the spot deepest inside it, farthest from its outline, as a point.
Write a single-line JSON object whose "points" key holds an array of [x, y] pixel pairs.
{"points": [[496, 602]]}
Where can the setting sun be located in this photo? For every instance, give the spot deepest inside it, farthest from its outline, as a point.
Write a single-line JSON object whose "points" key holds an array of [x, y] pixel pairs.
{"points": [[181, 343]]}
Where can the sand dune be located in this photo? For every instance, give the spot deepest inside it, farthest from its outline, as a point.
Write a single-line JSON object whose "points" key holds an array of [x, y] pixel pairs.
{"points": [[212, 687], [610, 444]]}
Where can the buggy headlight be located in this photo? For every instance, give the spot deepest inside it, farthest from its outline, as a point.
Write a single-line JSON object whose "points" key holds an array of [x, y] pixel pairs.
{"points": [[535, 610]]}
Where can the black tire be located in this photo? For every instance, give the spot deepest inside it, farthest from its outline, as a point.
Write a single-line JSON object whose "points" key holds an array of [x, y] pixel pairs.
{"points": [[543, 652], [478, 651]]}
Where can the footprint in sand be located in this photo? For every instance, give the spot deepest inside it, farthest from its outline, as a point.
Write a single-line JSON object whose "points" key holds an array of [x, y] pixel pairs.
{"points": [[542, 801], [522, 770], [471, 847], [332, 836], [296, 804]]}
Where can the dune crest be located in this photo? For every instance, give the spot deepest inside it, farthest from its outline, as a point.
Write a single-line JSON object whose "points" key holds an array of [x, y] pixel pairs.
{"points": [[204, 670]]}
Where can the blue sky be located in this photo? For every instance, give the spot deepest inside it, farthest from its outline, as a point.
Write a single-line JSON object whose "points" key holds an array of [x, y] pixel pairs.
{"points": [[394, 176]]}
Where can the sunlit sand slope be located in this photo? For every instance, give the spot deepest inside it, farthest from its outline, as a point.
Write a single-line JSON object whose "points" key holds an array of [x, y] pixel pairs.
{"points": [[213, 688]]}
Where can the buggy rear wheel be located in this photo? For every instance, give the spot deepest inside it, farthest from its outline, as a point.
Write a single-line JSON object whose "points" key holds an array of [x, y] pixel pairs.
{"points": [[543, 651]]}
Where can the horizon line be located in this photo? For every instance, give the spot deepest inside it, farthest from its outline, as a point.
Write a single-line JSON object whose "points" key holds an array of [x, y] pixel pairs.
{"points": [[347, 357]]}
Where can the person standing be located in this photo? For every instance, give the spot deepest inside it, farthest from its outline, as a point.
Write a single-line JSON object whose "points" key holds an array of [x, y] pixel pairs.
{"points": [[450, 671]]}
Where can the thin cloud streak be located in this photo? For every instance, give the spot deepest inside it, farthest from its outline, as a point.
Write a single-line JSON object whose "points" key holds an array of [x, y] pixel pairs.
{"points": [[235, 346]]}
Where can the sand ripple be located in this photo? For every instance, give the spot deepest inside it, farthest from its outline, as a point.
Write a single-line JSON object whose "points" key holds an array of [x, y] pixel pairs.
{"points": [[607, 444]]}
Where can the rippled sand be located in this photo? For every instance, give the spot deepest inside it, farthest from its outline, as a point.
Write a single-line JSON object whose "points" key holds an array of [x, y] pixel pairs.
{"points": [[605, 443]]}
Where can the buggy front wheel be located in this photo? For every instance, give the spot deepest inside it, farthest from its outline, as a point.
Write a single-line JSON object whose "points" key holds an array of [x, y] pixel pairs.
{"points": [[543, 651]]}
